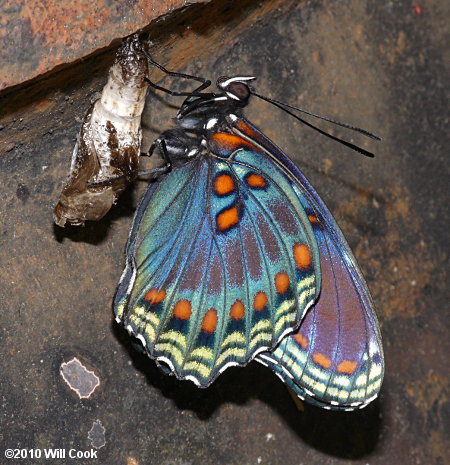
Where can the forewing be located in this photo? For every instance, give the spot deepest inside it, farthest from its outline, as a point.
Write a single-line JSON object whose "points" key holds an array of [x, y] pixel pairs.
{"points": [[335, 358]]}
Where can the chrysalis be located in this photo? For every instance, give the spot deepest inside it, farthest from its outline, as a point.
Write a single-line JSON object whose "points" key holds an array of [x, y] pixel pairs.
{"points": [[106, 155]]}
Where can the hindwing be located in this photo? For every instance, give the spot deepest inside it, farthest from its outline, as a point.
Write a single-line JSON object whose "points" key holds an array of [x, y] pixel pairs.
{"points": [[222, 262]]}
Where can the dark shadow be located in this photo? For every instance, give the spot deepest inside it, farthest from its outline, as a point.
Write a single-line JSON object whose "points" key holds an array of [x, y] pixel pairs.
{"points": [[350, 435]]}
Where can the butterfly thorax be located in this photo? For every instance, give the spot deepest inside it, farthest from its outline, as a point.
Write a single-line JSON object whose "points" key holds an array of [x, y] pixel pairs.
{"points": [[203, 116]]}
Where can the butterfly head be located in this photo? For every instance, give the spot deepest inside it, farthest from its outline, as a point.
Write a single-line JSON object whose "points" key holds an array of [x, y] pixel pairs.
{"points": [[236, 88]]}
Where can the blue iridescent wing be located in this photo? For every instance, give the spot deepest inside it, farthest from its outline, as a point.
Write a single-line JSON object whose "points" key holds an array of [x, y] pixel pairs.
{"points": [[335, 358], [222, 262]]}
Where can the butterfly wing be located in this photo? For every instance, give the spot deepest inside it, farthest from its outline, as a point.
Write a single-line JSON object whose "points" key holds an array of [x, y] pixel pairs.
{"points": [[335, 358], [222, 262]]}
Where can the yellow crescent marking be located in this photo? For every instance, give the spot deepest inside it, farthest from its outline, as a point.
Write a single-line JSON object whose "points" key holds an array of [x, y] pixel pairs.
{"points": [[150, 333], [361, 380], [174, 336], [304, 295], [235, 337], [296, 355], [310, 382], [232, 351], [144, 314], [279, 325], [137, 321], [174, 351], [152, 318], [358, 394], [374, 386], [120, 310], [333, 392], [285, 306], [198, 367], [306, 282], [318, 373], [263, 324], [342, 381], [139, 311], [292, 363], [203, 353], [375, 371], [261, 337], [320, 387]]}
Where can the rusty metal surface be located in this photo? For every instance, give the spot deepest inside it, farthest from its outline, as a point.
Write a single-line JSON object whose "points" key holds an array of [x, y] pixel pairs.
{"points": [[53, 102], [376, 64], [39, 35]]}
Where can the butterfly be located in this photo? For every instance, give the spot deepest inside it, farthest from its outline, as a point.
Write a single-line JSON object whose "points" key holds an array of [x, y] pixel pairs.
{"points": [[233, 256]]}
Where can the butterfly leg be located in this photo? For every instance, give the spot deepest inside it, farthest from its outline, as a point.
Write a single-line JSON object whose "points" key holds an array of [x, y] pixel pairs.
{"points": [[197, 92], [159, 143], [204, 82]]}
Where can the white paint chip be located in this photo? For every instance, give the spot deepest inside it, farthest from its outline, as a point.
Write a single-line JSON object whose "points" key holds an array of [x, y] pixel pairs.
{"points": [[79, 378], [97, 435]]}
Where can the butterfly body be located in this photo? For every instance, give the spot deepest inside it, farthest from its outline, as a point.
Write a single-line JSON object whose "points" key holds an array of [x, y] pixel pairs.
{"points": [[224, 258]]}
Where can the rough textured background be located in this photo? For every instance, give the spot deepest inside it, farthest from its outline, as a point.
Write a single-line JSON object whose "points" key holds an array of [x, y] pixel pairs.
{"points": [[375, 64], [38, 35]]}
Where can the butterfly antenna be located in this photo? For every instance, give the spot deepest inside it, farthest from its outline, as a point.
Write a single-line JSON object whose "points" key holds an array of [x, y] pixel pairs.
{"points": [[312, 126], [330, 120], [284, 106]]}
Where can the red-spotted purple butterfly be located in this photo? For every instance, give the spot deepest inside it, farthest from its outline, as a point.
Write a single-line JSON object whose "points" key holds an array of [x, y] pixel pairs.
{"points": [[233, 256]]}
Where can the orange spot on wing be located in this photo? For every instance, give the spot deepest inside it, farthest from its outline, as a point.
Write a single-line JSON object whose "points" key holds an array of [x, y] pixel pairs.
{"points": [[154, 296], [313, 219], [302, 256], [224, 144], [209, 323], [223, 184], [301, 341], [227, 219], [282, 282], [182, 309], [322, 360], [260, 300], [237, 310], [246, 129], [347, 367], [256, 180], [228, 141]]}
